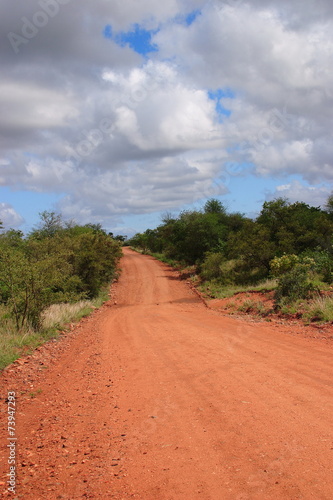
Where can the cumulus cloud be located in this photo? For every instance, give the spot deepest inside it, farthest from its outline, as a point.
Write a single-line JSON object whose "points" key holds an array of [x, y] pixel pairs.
{"points": [[121, 133], [298, 191], [9, 217], [271, 67]]}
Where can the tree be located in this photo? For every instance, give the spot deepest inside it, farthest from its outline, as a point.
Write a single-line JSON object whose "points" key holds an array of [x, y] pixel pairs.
{"points": [[120, 237], [329, 205], [296, 227], [31, 279], [50, 224], [54, 264], [199, 233], [94, 258], [235, 221], [167, 217], [97, 228], [214, 206], [253, 249]]}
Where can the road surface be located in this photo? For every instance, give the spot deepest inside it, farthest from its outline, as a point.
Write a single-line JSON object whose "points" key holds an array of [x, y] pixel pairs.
{"points": [[157, 397]]}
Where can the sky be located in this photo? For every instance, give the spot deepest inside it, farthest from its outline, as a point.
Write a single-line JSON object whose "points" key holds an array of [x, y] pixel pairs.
{"points": [[119, 111]]}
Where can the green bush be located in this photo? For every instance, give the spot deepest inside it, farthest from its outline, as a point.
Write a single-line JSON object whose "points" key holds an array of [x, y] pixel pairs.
{"points": [[212, 266], [52, 265], [324, 265], [294, 285], [284, 264]]}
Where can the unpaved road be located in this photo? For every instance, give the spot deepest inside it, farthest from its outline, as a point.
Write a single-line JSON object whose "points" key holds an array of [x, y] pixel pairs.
{"points": [[157, 397]]}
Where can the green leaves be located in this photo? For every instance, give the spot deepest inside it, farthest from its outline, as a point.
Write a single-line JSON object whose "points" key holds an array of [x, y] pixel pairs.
{"points": [[54, 264], [214, 206], [295, 277], [94, 261], [295, 227], [329, 205]]}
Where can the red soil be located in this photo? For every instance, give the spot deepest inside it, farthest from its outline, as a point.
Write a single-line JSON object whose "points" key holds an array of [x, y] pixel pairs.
{"points": [[157, 397]]}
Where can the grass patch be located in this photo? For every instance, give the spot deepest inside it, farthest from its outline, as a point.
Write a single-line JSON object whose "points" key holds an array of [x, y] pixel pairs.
{"points": [[216, 290], [248, 306], [58, 315], [166, 260], [161, 257], [320, 310], [14, 344], [256, 307], [138, 250]]}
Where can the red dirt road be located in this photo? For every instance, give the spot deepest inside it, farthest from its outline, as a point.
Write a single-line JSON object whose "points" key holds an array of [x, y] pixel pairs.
{"points": [[156, 397]]}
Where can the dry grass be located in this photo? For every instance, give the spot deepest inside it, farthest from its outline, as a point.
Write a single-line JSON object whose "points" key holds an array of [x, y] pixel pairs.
{"points": [[60, 314], [320, 309], [14, 343]]}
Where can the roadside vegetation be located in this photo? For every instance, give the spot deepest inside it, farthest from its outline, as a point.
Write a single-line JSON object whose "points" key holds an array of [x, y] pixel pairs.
{"points": [[53, 276], [287, 252]]}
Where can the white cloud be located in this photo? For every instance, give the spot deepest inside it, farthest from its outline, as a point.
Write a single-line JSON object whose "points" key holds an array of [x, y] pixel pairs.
{"points": [[164, 185], [28, 106], [120, 134], [9, 217], [185, 120], [296, 191], [270, 66]]}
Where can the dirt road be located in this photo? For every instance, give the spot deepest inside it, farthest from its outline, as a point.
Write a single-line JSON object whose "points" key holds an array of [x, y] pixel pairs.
{"points": [[156, 397]]}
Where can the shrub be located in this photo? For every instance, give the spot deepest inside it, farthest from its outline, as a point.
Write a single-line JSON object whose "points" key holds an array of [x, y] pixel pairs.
{"points": [[294, 285], [211, 267], [324, 265], [49, 267], [284, 264]]}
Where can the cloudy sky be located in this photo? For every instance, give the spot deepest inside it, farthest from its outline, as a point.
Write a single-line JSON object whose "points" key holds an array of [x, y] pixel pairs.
{"points": [[117, 111]]}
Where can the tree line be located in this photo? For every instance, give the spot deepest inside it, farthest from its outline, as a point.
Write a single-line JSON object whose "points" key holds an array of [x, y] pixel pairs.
{"points": [[56, 262], [235, 249]]}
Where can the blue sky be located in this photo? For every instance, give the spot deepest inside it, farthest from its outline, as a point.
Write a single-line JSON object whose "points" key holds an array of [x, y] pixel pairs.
{"points": [[217, 96], [138, 39], [117, 113]]}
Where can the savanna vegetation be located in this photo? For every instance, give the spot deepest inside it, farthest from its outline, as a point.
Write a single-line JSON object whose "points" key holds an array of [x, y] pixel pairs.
{"points": [[47, 278], [287, 248]]}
